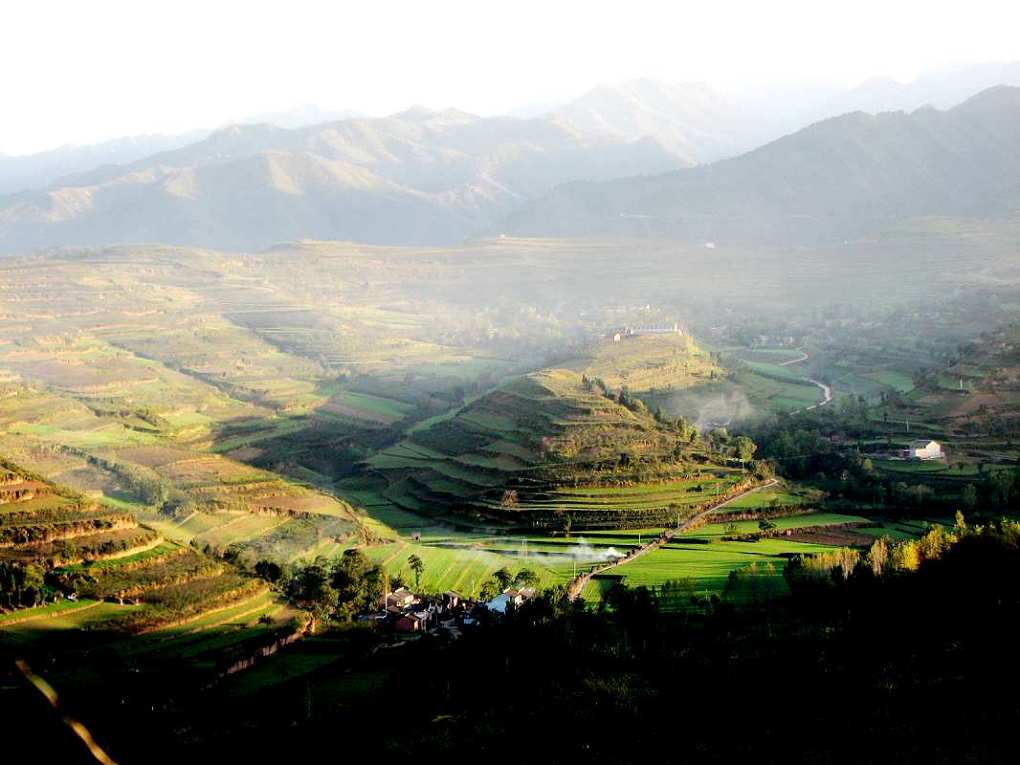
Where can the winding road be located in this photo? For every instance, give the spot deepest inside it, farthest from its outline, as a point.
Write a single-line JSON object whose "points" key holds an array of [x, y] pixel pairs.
{"points": [[575, 588], [826, 389]]}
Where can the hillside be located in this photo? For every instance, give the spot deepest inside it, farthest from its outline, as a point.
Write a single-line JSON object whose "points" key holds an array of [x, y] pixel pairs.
{"points": [[550, 450], [418, 177], [838, 179], [56, 544]]}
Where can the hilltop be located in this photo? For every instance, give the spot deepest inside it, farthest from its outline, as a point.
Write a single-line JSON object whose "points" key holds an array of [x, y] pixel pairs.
{"points": [[552, 449], [647, 363]]}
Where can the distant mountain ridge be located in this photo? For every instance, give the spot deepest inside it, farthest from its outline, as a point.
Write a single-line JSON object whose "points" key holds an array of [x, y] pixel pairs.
{"points": [[42, 168], [418, 177], [943, 90], [701, 124], [835, 179], [691, 120], [435, 177]]}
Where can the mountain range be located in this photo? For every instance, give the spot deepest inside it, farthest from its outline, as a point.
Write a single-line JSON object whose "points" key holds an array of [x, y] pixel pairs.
{"points": [[636, 157], [38, 170], [691, 120], [837, 179], [418, 177]]}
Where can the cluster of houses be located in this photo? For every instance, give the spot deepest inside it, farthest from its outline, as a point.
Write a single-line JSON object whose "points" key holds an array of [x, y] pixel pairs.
{"points": [[403, 611]]}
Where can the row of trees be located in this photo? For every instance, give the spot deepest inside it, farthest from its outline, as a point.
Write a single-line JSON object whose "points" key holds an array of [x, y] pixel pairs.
{"points": [[887, 557]]}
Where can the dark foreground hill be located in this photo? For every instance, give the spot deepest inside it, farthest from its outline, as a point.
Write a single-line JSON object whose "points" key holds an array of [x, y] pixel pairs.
{"points": [[835, 180]]}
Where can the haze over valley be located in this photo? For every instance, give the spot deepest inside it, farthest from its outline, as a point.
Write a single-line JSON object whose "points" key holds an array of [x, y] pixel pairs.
{"points": [[664, 359]]}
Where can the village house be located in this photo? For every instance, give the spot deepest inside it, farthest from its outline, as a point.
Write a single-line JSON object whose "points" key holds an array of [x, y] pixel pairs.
{"points": [[451, 599], [399, 599], [924, 449], [414, 621], [511, 596]]}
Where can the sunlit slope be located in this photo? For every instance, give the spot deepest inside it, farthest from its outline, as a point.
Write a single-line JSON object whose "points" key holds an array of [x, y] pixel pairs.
{"points": [[549, 450], [119, 576], [648, 362]]}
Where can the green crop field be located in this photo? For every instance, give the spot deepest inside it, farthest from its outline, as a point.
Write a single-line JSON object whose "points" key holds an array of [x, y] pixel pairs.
{"points": [[759, 500], [707, 560], [462, 569]]}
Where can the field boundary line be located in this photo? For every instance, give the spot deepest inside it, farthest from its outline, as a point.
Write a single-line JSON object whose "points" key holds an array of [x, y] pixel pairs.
{"points": [[187, 620], [139, 550], [271, 603]]}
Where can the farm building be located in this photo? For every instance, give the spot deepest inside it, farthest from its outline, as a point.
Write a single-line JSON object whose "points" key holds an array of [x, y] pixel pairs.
{"points": [[924, 449], [412, 622], [510, 596], [655, 329], [400, 598]]}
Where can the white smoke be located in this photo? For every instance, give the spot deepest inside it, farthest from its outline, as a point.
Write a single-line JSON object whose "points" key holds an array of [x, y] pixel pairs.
{"points": [[582, 552]]}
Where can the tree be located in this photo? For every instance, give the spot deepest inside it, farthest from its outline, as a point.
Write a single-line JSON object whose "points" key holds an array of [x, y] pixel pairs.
{"points": [[503, 578], [745, 448], [1000, 485], [679, 449], [525, 578], [418, 568], [313, 583], [268, 570], [847, 559], [357, 582], [878, 555], [509, 499], [488, 591]]}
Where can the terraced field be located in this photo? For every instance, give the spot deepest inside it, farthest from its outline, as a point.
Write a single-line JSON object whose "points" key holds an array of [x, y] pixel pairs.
{"points": [[124, 577], [540, 448]]}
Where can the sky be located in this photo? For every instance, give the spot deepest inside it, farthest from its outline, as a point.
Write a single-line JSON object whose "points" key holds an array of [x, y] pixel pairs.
{"points": [[83, 72]]}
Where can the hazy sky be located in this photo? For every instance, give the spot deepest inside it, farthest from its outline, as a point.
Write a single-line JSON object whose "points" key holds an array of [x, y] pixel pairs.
{"points": [[79, 72]]}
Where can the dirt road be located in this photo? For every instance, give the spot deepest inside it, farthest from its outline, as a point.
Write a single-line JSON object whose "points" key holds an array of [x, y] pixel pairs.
{"points": [[826, 389]]}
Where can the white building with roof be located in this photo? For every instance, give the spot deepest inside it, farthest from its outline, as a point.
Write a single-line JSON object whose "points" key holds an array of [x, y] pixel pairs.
{"points": [[924, 449]]}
